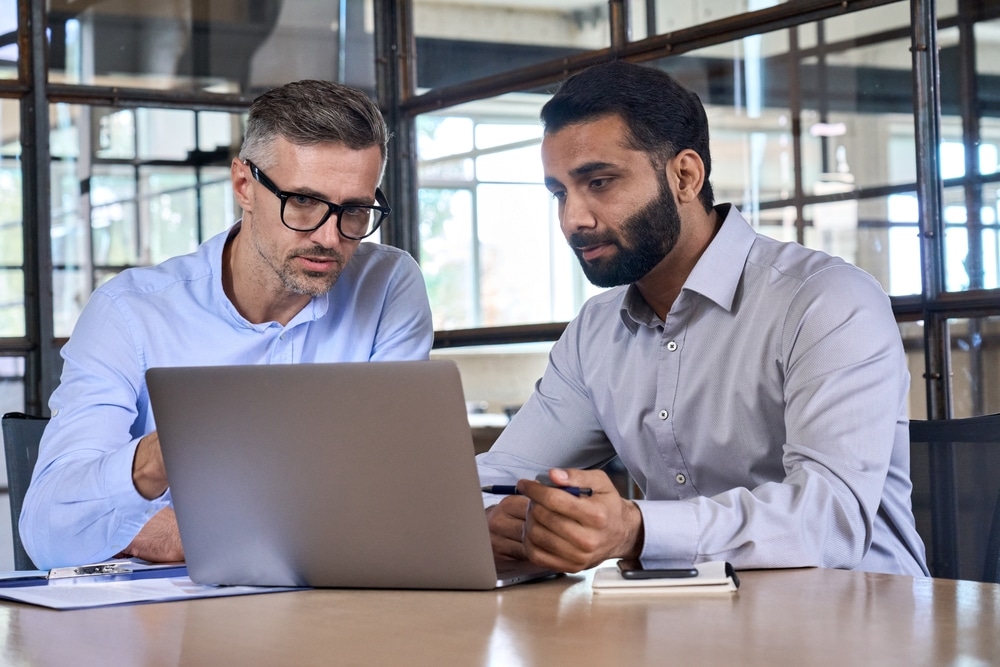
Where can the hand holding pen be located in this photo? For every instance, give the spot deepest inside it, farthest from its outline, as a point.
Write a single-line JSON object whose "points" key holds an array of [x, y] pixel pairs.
{"points": [[543, 478]]}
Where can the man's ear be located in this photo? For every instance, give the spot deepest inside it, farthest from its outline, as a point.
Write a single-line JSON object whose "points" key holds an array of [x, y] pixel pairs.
{"points": [[686, 175], [240, 175]]}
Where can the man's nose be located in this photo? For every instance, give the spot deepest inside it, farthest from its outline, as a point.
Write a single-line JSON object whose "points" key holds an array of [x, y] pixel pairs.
{"points": [[575, 215], [328, 235]]}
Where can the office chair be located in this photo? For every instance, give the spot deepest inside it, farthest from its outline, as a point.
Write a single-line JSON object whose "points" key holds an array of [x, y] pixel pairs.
{"points": [[21, 435], [955, 468]]}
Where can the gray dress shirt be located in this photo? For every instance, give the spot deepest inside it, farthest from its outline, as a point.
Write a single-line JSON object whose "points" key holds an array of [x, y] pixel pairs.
{"points": [[765, 421]]}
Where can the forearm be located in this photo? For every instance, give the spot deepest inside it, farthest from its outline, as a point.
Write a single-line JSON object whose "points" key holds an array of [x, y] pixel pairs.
{"points": [[80, 510], [781, 524]]}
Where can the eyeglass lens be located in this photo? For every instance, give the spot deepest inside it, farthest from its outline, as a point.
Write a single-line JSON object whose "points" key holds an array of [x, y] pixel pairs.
{"points": [[305, 213]]}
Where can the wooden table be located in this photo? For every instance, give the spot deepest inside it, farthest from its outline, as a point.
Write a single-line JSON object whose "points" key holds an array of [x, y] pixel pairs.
{"points": [[782, 617]]}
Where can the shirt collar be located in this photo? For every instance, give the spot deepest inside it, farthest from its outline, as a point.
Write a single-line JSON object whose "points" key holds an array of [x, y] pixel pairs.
{"points": [[716, 276]]}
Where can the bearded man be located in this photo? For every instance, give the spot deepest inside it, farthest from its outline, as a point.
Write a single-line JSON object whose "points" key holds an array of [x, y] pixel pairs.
{"points": [[754, 390]]}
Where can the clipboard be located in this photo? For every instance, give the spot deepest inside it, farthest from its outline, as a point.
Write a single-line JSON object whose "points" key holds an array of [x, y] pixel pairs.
{"points": [[115, 582]]}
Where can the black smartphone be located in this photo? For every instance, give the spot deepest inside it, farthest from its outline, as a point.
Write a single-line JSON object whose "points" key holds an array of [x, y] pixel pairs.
{"points": [[633, 569]]}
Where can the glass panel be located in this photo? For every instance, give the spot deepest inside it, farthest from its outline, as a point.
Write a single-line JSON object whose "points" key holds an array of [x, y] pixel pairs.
{"points": [[987, 36], [113, 221], [912, 334], [878, 234], [972, 246], [155, 144], [462, 41], [490, 242], [170, 207], [70, 216], [227, 46], [12, 312], [975, 365], [11, 217], [8, 39], [112, 209], [670, 15], [71, 290], [448, 256], [114, 131]]}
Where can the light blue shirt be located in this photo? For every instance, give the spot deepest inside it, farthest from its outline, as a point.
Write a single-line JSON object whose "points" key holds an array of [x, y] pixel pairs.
{"points": [[81, 505], [765, 421]]}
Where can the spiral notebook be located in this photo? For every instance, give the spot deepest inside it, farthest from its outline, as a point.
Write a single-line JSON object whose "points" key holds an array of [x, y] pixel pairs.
{"points": [[713, 577]]}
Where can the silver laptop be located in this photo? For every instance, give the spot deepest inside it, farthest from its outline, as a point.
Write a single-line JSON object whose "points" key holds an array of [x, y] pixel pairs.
{"points": [[358, 475]]}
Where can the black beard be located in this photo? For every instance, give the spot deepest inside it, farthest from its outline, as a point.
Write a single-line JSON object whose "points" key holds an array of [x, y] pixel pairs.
{"points": [[645, 238]]}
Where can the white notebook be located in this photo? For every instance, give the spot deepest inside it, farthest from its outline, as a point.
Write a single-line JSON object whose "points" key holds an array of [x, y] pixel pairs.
{"points": [[713, 577]]}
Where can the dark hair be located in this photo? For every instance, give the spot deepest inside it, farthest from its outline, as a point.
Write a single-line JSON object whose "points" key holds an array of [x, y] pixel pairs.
{"points": [[311, 112], [663, 117]]}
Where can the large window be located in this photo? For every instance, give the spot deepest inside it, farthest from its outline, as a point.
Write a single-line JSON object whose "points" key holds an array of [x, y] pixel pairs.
{"points": [[819, 129]]}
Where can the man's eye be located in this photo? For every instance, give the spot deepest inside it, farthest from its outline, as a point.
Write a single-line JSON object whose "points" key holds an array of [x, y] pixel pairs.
{"points": [[599, 183], [559, 195], [302, 201]]}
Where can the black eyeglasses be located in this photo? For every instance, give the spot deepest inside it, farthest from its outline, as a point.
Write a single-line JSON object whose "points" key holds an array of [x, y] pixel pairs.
{"points": [[305, 213]]}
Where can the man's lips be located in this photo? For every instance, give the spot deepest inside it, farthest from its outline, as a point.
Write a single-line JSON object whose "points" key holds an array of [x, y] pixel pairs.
{"points": [[313, 263], [593, 251]]}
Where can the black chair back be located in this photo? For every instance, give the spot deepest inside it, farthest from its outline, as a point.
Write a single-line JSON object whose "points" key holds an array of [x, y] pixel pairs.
{"points": [[955, 468], [21, 435]]}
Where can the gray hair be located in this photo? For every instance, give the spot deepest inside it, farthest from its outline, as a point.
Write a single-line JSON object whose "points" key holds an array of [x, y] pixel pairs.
{"points": [[311, 112]]}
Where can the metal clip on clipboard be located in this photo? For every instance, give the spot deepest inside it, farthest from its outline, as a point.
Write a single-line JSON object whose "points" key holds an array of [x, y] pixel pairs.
{"points": [[90, 570]]}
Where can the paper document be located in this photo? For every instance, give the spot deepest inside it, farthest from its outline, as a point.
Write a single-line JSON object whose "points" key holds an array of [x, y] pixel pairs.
{"points": [[127, 582]]}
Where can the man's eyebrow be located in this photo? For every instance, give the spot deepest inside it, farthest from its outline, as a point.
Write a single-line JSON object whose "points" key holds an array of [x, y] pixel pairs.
{"points": [[589, 168], [581, 171]]}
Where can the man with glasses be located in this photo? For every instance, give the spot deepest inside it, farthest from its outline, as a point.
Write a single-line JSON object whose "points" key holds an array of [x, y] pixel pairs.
{"points": [[290, 282], [756, 391]]}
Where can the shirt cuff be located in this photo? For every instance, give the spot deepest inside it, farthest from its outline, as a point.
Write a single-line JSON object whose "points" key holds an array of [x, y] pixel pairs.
{"points": [[670, 529]]}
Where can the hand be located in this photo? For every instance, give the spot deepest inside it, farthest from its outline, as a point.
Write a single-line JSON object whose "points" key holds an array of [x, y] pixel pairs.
{"points": [[506, 522], [569, 534], [159, 541], [148, 472]]}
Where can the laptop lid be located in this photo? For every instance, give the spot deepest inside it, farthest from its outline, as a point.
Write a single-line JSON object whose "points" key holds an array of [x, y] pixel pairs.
{"points": [[356, 475]]}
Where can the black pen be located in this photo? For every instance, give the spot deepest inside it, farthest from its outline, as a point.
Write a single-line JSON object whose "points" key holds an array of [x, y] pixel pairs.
{"points": [[508, 490]]}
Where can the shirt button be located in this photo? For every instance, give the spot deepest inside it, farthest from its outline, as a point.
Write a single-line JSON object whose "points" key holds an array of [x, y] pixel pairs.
{"points": [[672, 345], [680, 478], [664, 414]]}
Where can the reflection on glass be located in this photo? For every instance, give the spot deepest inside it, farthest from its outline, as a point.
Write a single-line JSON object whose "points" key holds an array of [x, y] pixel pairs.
{"points": [[447, 256], [975, 365], [169, 204], [229, 47], [972, 248], [71, 288], [11, 389], [155, 144], [11, 232], [8, 40], [490, 243], [115, 133], [70, 218], [463, 41], [12, 313], [669, 15], [912, 334], [131, 187], [113, 223]]}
